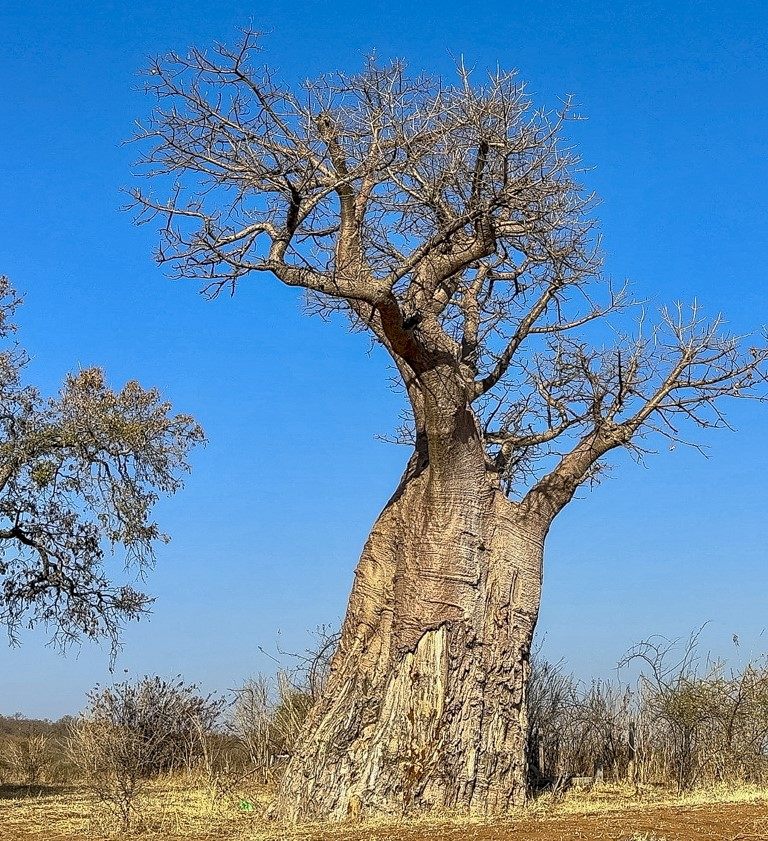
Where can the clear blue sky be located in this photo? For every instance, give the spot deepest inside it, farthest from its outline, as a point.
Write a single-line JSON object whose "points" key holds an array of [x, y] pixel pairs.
{"points": [[267, 532]]}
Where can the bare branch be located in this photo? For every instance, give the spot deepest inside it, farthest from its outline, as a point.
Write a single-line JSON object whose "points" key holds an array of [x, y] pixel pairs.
{"points": [[449, 222]]}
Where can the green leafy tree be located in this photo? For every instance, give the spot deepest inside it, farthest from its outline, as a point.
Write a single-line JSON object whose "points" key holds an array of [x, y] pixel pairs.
{"points": [[79, 476]]}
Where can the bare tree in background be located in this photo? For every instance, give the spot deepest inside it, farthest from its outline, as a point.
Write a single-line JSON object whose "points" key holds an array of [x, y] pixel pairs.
{"points": [[79, 475], [447, 221]]}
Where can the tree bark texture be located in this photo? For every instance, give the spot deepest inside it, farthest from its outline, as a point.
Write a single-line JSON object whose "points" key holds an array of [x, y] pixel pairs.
{"points": [[425, 706]]}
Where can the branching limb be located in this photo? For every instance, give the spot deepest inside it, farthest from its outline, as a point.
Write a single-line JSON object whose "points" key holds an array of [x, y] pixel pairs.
{"points": [[681, 372], [449, 221]]}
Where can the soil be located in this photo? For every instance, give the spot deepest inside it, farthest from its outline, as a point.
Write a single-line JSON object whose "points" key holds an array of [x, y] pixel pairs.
{"points": [[718, 822], [30, 819]]}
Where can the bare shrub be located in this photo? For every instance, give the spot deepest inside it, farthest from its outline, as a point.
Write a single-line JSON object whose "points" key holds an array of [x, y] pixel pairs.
{"points": [[575, 729], [313, 668], [688, 721], [290, 712], [551, 695], [676, 698], [267, 717], [251, 723], [269, 713], [133, 732], [736, 734], [33, 751], [110, 759], [224, 770], [602, 722], [29, 759]]}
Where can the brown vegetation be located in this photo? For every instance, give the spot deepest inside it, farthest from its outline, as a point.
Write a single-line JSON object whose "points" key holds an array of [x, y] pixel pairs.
{"points": [[158, 759], [177, 812], [684, 723], [133, 733]]}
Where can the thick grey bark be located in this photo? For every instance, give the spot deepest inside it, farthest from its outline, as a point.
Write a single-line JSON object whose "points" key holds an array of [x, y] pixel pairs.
{"points": [[425, 707]]}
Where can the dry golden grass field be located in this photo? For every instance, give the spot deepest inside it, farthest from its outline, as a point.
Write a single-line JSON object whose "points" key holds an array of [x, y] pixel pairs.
{"points": [[175, 812]]}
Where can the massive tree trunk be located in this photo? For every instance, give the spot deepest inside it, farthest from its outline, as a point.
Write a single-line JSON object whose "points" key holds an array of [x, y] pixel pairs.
{"points": [[425, 706]]}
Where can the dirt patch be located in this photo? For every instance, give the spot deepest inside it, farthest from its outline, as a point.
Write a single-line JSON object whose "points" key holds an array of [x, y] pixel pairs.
{"points": [[65, 818], [711, 822]]}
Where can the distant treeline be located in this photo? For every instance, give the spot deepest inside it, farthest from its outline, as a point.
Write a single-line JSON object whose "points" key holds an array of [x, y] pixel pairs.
{"points": [[19, 725]]}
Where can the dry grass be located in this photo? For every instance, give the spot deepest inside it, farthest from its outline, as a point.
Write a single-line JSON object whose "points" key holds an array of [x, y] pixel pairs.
{"points": [[611, 797], [171, 809], [174, 809]]}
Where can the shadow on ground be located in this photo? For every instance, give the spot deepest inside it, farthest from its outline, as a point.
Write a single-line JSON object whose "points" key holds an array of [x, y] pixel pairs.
{"points": [[10, 791]]}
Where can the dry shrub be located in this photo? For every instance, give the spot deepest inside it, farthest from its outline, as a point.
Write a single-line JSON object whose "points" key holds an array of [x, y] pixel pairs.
{"points": [[33, 751], [688, 722], [131, 733], [575, 729], [267, 719], [269, 714], [29, 759], [251, 723]]}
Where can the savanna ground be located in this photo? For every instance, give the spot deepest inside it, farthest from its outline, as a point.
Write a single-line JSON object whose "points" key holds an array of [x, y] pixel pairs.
{"points": [[607, 812]]}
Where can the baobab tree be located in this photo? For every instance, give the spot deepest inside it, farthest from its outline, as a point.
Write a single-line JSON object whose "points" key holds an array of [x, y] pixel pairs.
{"points": [[447, 222]]}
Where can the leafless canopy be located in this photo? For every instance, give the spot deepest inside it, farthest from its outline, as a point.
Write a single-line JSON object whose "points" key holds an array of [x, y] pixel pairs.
{"points": [[446, 220]]}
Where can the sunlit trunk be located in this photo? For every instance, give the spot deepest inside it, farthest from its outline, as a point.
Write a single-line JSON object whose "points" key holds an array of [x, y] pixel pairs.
{"points": [[425, 706]]}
